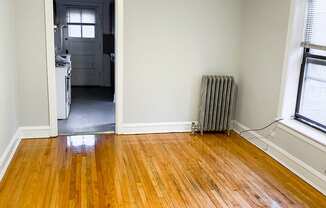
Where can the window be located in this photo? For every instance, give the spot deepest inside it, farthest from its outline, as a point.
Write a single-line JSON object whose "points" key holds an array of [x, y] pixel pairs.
{"points": [[81, 23], [311, 101]]}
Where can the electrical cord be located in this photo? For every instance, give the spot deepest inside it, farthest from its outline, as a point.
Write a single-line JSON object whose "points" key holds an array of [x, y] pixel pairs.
{"points": [[260, 129]]}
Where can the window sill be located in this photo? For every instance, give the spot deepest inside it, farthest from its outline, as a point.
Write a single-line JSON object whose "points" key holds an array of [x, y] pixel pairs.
{"points": [[305, 132]]}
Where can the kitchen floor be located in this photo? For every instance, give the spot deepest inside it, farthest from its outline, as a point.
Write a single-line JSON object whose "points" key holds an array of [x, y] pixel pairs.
{"points": [[92, 110]]}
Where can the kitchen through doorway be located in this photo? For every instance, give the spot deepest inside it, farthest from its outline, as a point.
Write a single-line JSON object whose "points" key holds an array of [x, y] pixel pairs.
{"points": [[85, 66]]}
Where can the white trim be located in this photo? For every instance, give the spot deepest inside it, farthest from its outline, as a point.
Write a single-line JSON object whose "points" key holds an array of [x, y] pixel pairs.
{"points": [[119, 40], [154, 128], [104, 133], [35, 132], [50, 62], [295, 165], [305, 133], [285, 70], [313, 46], [9, 152], [21, 133]]}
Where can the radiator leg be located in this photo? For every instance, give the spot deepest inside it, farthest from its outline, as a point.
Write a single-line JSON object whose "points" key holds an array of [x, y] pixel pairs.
{"points": [[201, 126], [194, 128]]}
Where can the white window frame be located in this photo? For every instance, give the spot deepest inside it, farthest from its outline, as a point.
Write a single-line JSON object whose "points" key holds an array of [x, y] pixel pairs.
{"points": [[290, 78], [81, 24]]}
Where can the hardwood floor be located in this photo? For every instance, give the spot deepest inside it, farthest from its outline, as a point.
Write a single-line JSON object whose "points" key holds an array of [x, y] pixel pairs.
{"points": [[167, 170]]}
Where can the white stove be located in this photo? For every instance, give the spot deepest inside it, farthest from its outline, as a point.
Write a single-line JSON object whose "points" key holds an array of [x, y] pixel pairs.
{"points": [[63, 83]]}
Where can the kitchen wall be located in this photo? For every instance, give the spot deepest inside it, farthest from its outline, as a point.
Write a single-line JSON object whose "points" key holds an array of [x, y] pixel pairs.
{"points": [[8, 82], [108, 28], [31, 63], [169, 45]]}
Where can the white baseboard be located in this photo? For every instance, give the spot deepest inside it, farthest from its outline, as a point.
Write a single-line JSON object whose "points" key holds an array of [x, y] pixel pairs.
{"points": [[295, 165], [9, 152], [153, 128], [21, 133], [35, 132]]}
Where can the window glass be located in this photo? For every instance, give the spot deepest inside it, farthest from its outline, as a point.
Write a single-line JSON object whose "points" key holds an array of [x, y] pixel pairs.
{"points": [[81, 23], [88, 31], [313, 97], [311, 103], [88, 16], [313, 91], [318, 23], [74, 31], [74, 15]]}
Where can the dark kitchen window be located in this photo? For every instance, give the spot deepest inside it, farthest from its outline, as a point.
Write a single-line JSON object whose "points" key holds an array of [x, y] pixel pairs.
{"points": [[311, 101]]}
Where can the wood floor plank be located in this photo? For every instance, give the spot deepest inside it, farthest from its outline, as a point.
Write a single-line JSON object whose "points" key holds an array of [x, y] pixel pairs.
{"points": [[162, 170]]}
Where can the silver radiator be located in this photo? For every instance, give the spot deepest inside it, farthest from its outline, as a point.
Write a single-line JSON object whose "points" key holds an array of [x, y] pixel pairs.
{"points": [[216, 108]]}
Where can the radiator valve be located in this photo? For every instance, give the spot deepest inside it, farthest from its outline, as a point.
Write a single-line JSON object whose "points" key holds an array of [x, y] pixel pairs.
{"points": [[194, 127]]}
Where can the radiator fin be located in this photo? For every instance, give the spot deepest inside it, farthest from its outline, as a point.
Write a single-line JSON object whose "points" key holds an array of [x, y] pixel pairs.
{"points": [[217, 94]]}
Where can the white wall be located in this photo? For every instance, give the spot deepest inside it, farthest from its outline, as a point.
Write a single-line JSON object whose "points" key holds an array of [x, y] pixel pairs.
{"points": [[264, 32], [8, 82], [169, 45], [31, 63]]}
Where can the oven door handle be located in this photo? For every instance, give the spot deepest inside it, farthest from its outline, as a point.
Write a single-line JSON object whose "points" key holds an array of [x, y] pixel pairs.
{"points": [[67, 82]]}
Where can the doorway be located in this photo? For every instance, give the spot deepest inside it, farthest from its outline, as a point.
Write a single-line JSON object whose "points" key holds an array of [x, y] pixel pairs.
{"points": [[84, 40]]}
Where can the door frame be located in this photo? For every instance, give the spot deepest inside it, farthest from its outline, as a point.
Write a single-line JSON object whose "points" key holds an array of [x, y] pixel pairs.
{"points": [[50, 65]]}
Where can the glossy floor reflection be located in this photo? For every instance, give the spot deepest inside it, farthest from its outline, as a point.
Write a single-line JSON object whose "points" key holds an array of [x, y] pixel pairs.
{"points": [[82, 140], [162, 170]]}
